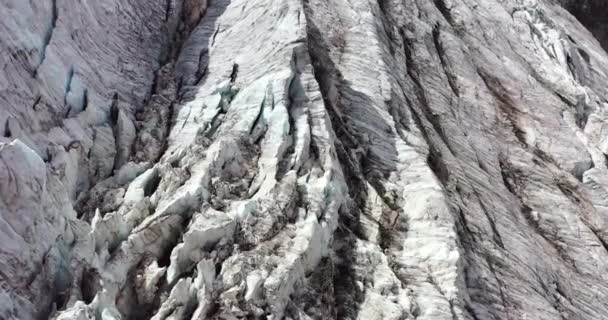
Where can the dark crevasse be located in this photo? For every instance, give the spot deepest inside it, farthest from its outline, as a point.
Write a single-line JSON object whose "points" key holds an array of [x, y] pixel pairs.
{"points": [[592, 14]]}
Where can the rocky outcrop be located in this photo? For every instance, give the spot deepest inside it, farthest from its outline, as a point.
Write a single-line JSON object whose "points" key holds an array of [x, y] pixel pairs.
{"points": [[303, 159]]}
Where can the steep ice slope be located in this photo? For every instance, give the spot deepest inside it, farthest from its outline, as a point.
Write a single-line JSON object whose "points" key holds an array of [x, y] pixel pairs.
{"points": [[80, 94], [304, 159]]}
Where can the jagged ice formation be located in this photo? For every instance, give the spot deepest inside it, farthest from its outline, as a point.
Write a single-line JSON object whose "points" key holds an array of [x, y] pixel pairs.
{"points": [[303, 159]]}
